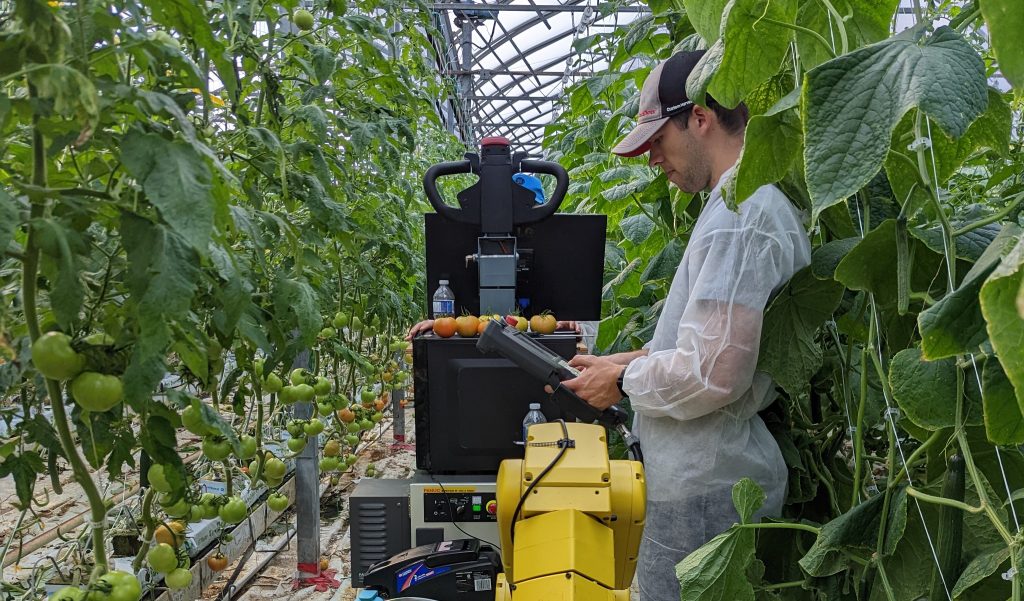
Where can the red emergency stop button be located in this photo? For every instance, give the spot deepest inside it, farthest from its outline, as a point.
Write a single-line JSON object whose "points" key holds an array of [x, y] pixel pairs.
{"points": [[492, 507]]}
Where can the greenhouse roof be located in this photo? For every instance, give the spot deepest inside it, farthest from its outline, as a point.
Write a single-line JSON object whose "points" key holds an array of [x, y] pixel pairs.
{"points": [[511, 59]]}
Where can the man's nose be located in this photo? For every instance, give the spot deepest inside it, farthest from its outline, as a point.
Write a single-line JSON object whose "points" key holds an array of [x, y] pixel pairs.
{"points": [[654, 159]]}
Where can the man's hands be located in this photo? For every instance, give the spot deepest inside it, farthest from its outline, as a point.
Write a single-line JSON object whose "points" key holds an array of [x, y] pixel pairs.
{"points": [[424, 326], [598, 382]]}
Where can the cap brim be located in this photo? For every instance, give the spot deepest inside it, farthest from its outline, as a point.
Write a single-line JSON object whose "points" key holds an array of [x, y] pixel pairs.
{"points": [[636, 143]]}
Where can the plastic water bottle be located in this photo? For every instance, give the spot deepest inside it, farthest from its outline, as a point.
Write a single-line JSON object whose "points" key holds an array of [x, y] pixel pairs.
{"points": [[444, 300], [533, 417]]}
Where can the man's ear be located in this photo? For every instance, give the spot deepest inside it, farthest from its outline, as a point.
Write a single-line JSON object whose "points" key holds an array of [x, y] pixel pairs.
{"points": [[702, 117]]}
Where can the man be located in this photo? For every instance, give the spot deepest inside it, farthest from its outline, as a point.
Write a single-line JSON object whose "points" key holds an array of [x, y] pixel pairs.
{"points": [[694, 388]]}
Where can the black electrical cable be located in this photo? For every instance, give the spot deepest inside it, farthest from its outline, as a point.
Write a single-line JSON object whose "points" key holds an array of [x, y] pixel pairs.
{"points": [[515, 515], [451, 518]]}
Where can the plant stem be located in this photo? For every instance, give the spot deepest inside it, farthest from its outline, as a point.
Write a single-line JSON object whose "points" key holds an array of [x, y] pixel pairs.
{"points": [[814, 34], [998, 216], [781, 526], [30, 269], [783, 585], [147, 519], [899, 475], [923, 496]]}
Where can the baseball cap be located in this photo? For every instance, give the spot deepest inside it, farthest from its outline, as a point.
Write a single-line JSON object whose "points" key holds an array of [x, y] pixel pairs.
{"points": [[662, 96]]}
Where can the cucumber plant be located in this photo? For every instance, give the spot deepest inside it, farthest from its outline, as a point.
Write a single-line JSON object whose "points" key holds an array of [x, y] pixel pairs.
{"points": [[897, 352]]}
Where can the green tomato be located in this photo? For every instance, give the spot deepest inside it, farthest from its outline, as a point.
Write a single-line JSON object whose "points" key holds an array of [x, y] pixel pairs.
{"points": [[366, 424], [257, 367], [287, 395], [192, 419], [351, 459], [234, 511], [367, 396], [324, 408], [328, 333], [322, 386], [341, 401], [196, 514], [278, 502], [68, 593], [296, 428], [272, 383], [356, 324], [178, 509], [162, 558], [216, 448], [376, 417], [274, 482], [314, 427], [54, 358], [328, 464], [352, 439], [304, 393], [296, 444], [275, 468], [353, 427], [208, 504], [246, 447], [96, 392], [123, 586], [340, 320], [157, 478], [178, 578], [298, 376], [303, 19]]}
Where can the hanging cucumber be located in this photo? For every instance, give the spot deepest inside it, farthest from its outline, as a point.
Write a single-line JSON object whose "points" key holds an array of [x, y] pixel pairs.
{"points": [[902, 266], [949, 542]]}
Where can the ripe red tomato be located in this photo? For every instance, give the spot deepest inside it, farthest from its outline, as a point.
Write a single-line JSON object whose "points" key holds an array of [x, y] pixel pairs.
{"points": [[444, 327]]}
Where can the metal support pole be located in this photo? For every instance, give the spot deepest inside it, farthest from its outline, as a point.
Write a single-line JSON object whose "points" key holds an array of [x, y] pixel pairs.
{"points": [[397, 411], [307, 492], [465, 82]]}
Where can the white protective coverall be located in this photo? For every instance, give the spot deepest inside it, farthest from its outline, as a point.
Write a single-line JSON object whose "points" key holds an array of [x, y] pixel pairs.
{"points": [[697, 394]]}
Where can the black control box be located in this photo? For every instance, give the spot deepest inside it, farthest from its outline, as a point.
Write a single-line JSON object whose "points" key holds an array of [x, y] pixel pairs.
{"points": [[470, 405]]}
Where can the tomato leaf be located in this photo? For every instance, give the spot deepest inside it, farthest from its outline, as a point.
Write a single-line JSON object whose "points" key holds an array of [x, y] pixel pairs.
{"points": [[177, 181], [852, 103], [24, 468], [9, 219], [162, 275]]}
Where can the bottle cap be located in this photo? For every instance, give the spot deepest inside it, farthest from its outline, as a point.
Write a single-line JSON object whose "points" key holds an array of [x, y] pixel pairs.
{"points": [[443, 282], [534, 406]]}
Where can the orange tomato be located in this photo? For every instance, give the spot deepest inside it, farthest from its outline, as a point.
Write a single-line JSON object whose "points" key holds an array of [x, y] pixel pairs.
{"points": [[467, 325], [217, 562], [444, 327], [346, 415]]}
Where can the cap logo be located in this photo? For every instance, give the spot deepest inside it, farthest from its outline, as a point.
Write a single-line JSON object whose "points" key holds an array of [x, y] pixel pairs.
{"points": [[646, 113], [677, 107]]}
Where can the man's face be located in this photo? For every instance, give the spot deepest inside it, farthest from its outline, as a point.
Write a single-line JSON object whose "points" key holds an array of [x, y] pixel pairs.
{"points": [[681, 156]]}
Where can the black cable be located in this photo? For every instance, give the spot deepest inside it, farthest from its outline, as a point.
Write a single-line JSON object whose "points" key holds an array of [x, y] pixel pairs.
{"points": [[451, 517], [522, 499]]}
